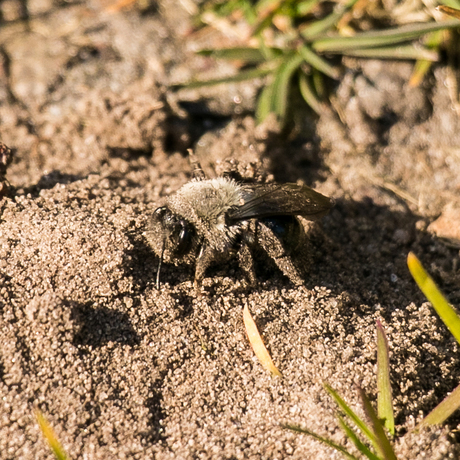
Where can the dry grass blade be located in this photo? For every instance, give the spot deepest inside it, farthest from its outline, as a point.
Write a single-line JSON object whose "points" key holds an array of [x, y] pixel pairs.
{"points": [[257, 343], [450, 11], [50, 436], [119, 5], [392, 188]]}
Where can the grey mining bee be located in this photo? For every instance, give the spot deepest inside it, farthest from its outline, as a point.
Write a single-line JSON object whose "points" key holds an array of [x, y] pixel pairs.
{"points": [[211, 220]]}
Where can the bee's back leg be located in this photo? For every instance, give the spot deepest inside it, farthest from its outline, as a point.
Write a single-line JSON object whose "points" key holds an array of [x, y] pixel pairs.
{"points": [[275, 250], [246, 262]]}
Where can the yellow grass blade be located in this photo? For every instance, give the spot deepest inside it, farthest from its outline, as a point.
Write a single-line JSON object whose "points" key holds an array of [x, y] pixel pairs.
{"points": [[50, 436], [426, 284], [257, 344]]}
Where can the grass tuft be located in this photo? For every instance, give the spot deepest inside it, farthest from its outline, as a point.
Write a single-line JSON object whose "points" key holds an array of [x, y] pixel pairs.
{"points": [[290, 42]]}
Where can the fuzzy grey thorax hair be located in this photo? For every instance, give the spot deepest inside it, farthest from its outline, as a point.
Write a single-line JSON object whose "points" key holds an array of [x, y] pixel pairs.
{"points": [[205, 203]]}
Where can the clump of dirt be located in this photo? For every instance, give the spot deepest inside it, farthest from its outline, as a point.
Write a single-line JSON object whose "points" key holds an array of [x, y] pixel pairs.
{"points": [[123, 370], [6, 157]]}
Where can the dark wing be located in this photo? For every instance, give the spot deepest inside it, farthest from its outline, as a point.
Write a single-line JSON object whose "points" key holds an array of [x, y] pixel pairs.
{"points": [[268, 200]]}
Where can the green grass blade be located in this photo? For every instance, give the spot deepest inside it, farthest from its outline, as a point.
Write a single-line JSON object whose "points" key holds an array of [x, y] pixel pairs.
{"points": [[384, 447], [318, 83], [303, 8], [443, 410], [380, 38], [246, 7], [384, 398], [422, 66], [452, 3], [264, 102], [229, 7], [247, 54], [307, 92], [326, 441], [264, 23], [426, 284], [351, 414], [271, 53], [267, 5], [280, 94], [394, 52], [318, 62], [356, 441], [317, 28], [50, 436], [240, 76]]}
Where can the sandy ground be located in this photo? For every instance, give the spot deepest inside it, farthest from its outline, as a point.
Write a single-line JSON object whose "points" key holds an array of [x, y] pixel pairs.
{"points": [[124, 371]]}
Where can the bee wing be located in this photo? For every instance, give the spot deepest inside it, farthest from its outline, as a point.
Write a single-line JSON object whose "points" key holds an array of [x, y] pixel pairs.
{"points": [[268, 200]]}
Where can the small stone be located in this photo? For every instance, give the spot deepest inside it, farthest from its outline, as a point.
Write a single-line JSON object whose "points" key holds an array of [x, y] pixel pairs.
{"points": [[447, 225]]}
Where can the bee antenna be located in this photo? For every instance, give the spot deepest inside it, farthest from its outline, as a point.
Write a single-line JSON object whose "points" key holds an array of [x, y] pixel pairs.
{"points": [[160, 263], [198, 173]]}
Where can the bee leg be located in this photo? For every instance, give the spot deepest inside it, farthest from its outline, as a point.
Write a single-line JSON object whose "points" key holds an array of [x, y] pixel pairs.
{"points": [[204, 260], [198, 173], [275, 250], [246, 262]]}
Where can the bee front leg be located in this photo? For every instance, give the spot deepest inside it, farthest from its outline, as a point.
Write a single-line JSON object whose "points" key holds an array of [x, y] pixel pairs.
{"points": [[204, 260]]}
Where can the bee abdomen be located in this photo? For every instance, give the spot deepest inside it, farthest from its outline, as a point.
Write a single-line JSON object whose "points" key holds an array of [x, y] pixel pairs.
{"points": [[287, 229]]}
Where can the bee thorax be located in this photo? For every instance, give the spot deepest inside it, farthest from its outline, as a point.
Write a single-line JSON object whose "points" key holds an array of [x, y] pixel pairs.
{"points": [[205, 204]]}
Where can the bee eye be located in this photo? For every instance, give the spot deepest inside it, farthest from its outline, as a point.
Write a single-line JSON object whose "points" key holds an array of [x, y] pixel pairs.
{"points": [[185, 239], [159, 213], [178, 232]]}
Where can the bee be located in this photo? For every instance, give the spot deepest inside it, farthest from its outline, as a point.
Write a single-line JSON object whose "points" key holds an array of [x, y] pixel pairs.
{"points": [[210, 221]]}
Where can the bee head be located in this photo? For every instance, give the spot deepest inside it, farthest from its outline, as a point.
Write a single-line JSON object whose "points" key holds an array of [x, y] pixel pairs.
{"points": [[174, 235]]}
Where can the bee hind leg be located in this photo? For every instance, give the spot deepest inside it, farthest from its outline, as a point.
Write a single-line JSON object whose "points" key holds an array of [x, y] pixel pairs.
{"points": [[285, 261], [246, 262]]}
